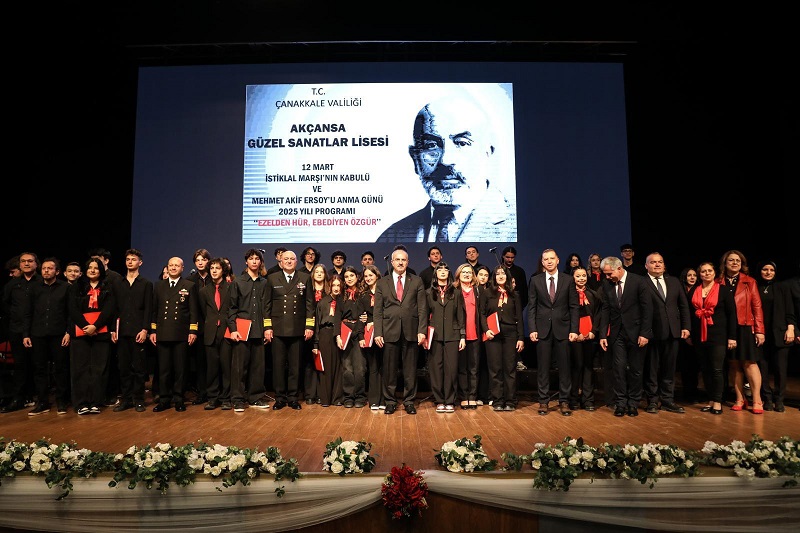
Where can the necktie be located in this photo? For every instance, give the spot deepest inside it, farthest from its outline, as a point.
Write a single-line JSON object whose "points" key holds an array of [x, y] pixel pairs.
{"points": [[619, 292], [171, 284], [660, 288], [442, 216], [399, 288], [552, 289], [217, 299], [289, 279]]}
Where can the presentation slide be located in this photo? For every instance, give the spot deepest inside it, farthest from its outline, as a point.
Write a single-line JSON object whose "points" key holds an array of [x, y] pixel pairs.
{"points": [[322, 158], [365, 156]]}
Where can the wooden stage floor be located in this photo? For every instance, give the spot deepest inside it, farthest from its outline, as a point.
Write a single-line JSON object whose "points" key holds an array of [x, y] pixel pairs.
{"points": [[397, 438]]}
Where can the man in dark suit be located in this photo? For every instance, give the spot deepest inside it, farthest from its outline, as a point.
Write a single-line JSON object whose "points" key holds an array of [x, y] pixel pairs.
{"points": [[214, 307], [453, 153], [671, 323], [173, 330], [289, 319], [553, 324], [400, 326], [626, 326], [246, 303], [196, 374]]}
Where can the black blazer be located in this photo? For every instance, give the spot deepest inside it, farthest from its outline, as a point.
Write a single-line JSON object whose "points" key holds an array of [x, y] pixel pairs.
{"points": [[393, 317], [595, 299], [634, 315], [509, 314], [779, 311], [289, 308], [175, 310], [672, 315], [78, 302], [135, 303], [213, 332], [724, 318], [446, 316], [559, 316]]}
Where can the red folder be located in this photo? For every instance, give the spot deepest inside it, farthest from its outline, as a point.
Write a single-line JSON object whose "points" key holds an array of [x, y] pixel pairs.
{"points": [[242, 326], [429, 338], [585, 325], [369, 333], [493, 322], [346, 333], [318, 364], [91, 318]]}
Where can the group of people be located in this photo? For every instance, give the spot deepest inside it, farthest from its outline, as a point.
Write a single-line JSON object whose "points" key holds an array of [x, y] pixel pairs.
{"points": [[351, 337]]}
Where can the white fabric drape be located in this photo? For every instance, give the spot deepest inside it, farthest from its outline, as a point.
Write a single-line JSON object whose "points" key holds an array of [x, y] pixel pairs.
{"points": [[697, 504]]}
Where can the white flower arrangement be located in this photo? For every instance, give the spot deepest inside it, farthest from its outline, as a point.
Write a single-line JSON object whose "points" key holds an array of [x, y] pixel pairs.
{"points": [[348, 457], [151, 465], [757, 458], [464, 455]]}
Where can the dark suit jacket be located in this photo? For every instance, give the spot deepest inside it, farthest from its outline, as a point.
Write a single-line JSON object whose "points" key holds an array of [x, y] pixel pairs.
{"points": [[393, 316], [509, 314], [213, 332], [289, 309], [560, 316], [634, 314], [175, 310], [78, 302], [672, 315], [135, 304], [779, 311], [447, 317], [491, 220]]}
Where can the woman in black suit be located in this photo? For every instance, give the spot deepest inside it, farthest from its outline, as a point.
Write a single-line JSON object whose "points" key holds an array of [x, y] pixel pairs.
{"points": [[446, 316], [502, 347], [373, 354], [779, 318], [469, 359], [582, 351], [713, 332], [328, 320]]}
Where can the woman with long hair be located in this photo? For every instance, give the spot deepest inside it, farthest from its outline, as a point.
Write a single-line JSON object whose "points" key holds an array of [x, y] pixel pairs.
{"points": [[372, 353], [467, 283], [501, 302], [354, 366], [581, 351], [328, 319], [688, 363], [321, 286]]}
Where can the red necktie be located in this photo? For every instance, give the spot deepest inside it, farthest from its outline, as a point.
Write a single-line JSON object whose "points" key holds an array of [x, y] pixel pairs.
{"points": [[399, 289], [217, 299]]}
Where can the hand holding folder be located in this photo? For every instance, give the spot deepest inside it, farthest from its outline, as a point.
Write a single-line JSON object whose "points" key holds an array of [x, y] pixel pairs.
{"points": [[243, 327], [91, 318], [346, 333], [493, 321]]}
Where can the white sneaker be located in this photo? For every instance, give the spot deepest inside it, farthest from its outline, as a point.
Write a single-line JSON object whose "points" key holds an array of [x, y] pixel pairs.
{"points": [[382, 407], [480, 403], [374, 407], [83, 411], [441, 408], [450, 409]]}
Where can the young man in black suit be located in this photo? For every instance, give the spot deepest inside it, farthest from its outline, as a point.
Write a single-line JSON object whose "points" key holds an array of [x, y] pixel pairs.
{"points": [[214, 306], [173, 330], [626, 326], [553, 324], [400, 326], [289, 320], [671, 323]]}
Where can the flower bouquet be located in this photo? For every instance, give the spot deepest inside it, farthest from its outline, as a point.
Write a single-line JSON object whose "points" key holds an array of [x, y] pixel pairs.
{"points": [[404, 491], [464, 455], [348, 457], [558, 466]]}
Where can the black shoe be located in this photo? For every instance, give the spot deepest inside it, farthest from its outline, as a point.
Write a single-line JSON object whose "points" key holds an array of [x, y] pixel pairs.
{"points": [[574, 406], [309, 401], [39, 409], [338, 404], [15, 405], [111, 402], [715, 411], [510, 407], [61, 409], [672, 408], [651, 408], [348, 404], [410, 409], [239, 407], [498, 406], [123, 406], [390, 408], [779, 407], [180, 407], [768, 406], [359, 404], [160, 407], [705, 409], [619, 411], [295, 405], [139, 407], [542, 409], [278, 406], [199, 400], [226, 405], [588, 406], [633, 411], [210, 406], [565, 410], [261, 404]]}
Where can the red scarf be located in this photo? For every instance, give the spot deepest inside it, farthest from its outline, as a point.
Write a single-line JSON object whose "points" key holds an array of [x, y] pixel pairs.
{"points": [[582, 299], [93, 295], [704, 308], [333, 307], [503, 297], [317, 295], [442, 291], [351, 293]]}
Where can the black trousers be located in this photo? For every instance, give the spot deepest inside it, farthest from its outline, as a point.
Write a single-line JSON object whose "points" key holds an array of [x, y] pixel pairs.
{"points": [[468, 361], [172, 356], [401, 354], [659, 370], [582, 368], [45, 350], [501, 358], [132, 363], [219, 356], [286, 367], [546, 349], [627, 364], [247, 370]]}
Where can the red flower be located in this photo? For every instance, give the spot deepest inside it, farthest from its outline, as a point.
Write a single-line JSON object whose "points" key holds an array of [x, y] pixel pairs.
{"points": [[404, 491]]}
